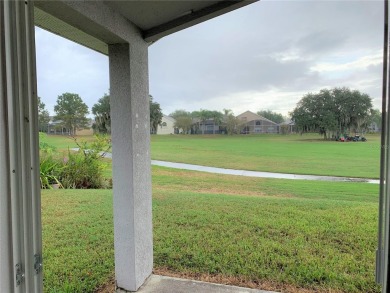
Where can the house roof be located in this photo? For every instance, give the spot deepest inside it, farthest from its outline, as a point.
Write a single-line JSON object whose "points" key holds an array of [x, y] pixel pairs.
{"points": [[253, 116], [169, 118], [155, 19], [287, 122]]}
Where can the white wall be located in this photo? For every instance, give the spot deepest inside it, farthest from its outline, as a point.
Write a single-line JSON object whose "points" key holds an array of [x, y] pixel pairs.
{"points": [[167, 126]]}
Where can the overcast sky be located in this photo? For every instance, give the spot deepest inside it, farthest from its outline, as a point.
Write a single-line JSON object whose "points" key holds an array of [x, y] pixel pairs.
{"points": [[264, 56]]}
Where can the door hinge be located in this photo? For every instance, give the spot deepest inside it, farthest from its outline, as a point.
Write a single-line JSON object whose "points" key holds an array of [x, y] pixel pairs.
{"points": [[19, 277], [378, 266], [37, 263]]}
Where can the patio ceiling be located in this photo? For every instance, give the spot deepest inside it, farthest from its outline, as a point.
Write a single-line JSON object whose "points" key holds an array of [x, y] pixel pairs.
{"points": [[155, 19]]}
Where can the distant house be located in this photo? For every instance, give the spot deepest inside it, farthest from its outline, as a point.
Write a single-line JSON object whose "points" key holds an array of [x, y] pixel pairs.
{"points": [[167, 125], [373, 127], [288, 125], [56, 127], [251, 123], [205, 127]]}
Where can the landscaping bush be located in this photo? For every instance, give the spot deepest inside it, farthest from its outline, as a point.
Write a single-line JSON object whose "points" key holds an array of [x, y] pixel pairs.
{"points": [[50, 167], [84, 168], [44, 146], [81, 169]]}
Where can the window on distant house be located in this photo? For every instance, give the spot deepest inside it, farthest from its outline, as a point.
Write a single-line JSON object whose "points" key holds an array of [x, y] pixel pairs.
{"points": [[258, 123], [164, 124]]}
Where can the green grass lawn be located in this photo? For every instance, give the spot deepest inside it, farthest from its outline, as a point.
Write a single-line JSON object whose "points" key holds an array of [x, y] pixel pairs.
{"points": [[77, 239], [63, 142], [262, 233], [307, 154], [266, 233]]}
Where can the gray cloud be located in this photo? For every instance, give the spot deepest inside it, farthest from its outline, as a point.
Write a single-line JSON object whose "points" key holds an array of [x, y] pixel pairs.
{"points": [[264, 55], [64, 66], [264, 46], [318, 42]]}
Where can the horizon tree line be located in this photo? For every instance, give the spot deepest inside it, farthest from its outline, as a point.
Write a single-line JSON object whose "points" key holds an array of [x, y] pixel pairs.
{"points": [[334, 112], [330, 112], [71, 113]]}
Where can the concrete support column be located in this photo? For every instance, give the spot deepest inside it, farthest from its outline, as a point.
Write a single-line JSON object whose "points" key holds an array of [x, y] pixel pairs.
{"points": [[130, 129], [20, 226]]}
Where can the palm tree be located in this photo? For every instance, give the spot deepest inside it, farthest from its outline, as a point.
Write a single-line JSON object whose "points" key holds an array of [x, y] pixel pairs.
{"points": [[217, 118], [196, 115], [203, 116]]}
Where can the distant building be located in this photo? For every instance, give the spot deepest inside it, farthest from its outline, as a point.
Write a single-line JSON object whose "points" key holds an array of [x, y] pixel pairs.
{"points": [[56, 127], [373, 127], [251, 123], [167, 125], [206, 126], [289, 126]]}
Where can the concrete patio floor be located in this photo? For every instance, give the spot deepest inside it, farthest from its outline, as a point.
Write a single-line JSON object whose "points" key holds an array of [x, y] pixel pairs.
{"points": [[162, 284]]}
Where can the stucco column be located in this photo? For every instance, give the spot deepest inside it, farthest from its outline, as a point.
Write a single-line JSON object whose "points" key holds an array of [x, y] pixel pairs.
{"points": [[131, 163]]}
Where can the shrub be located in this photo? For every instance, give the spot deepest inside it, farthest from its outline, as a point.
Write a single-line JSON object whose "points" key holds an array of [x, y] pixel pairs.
{"points": [[44, 146], [50, 167], [84, 169], [284, 129], [79, 170]]}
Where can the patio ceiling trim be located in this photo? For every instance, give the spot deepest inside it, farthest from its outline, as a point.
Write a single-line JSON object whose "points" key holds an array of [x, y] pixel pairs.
{"points": [[193, 18], [67, 19], [57, 26]]}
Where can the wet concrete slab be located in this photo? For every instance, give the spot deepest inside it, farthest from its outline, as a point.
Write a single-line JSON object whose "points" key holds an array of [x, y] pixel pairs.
{"points": [[162, 284]]}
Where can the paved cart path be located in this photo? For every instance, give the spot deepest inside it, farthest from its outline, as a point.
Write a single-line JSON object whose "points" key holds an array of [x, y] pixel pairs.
{"points": [[255, 173], [260, 174]]}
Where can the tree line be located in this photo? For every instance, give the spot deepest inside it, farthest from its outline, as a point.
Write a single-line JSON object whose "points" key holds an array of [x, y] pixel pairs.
{"points": [[71, 113], [101, 111], [193, 122], [335, 112], [330, 112]]}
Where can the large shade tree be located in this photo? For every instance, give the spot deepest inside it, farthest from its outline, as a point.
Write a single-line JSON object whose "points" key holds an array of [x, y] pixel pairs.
{"points": [[43, 116], [217, 117], [203, 115], [155, 115], [102, 112], [195, 118], [180, 112], [333, 112], [271, 115], [72, 112], [184, 123], [231, 121], [102, 109], [183, 120]]}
